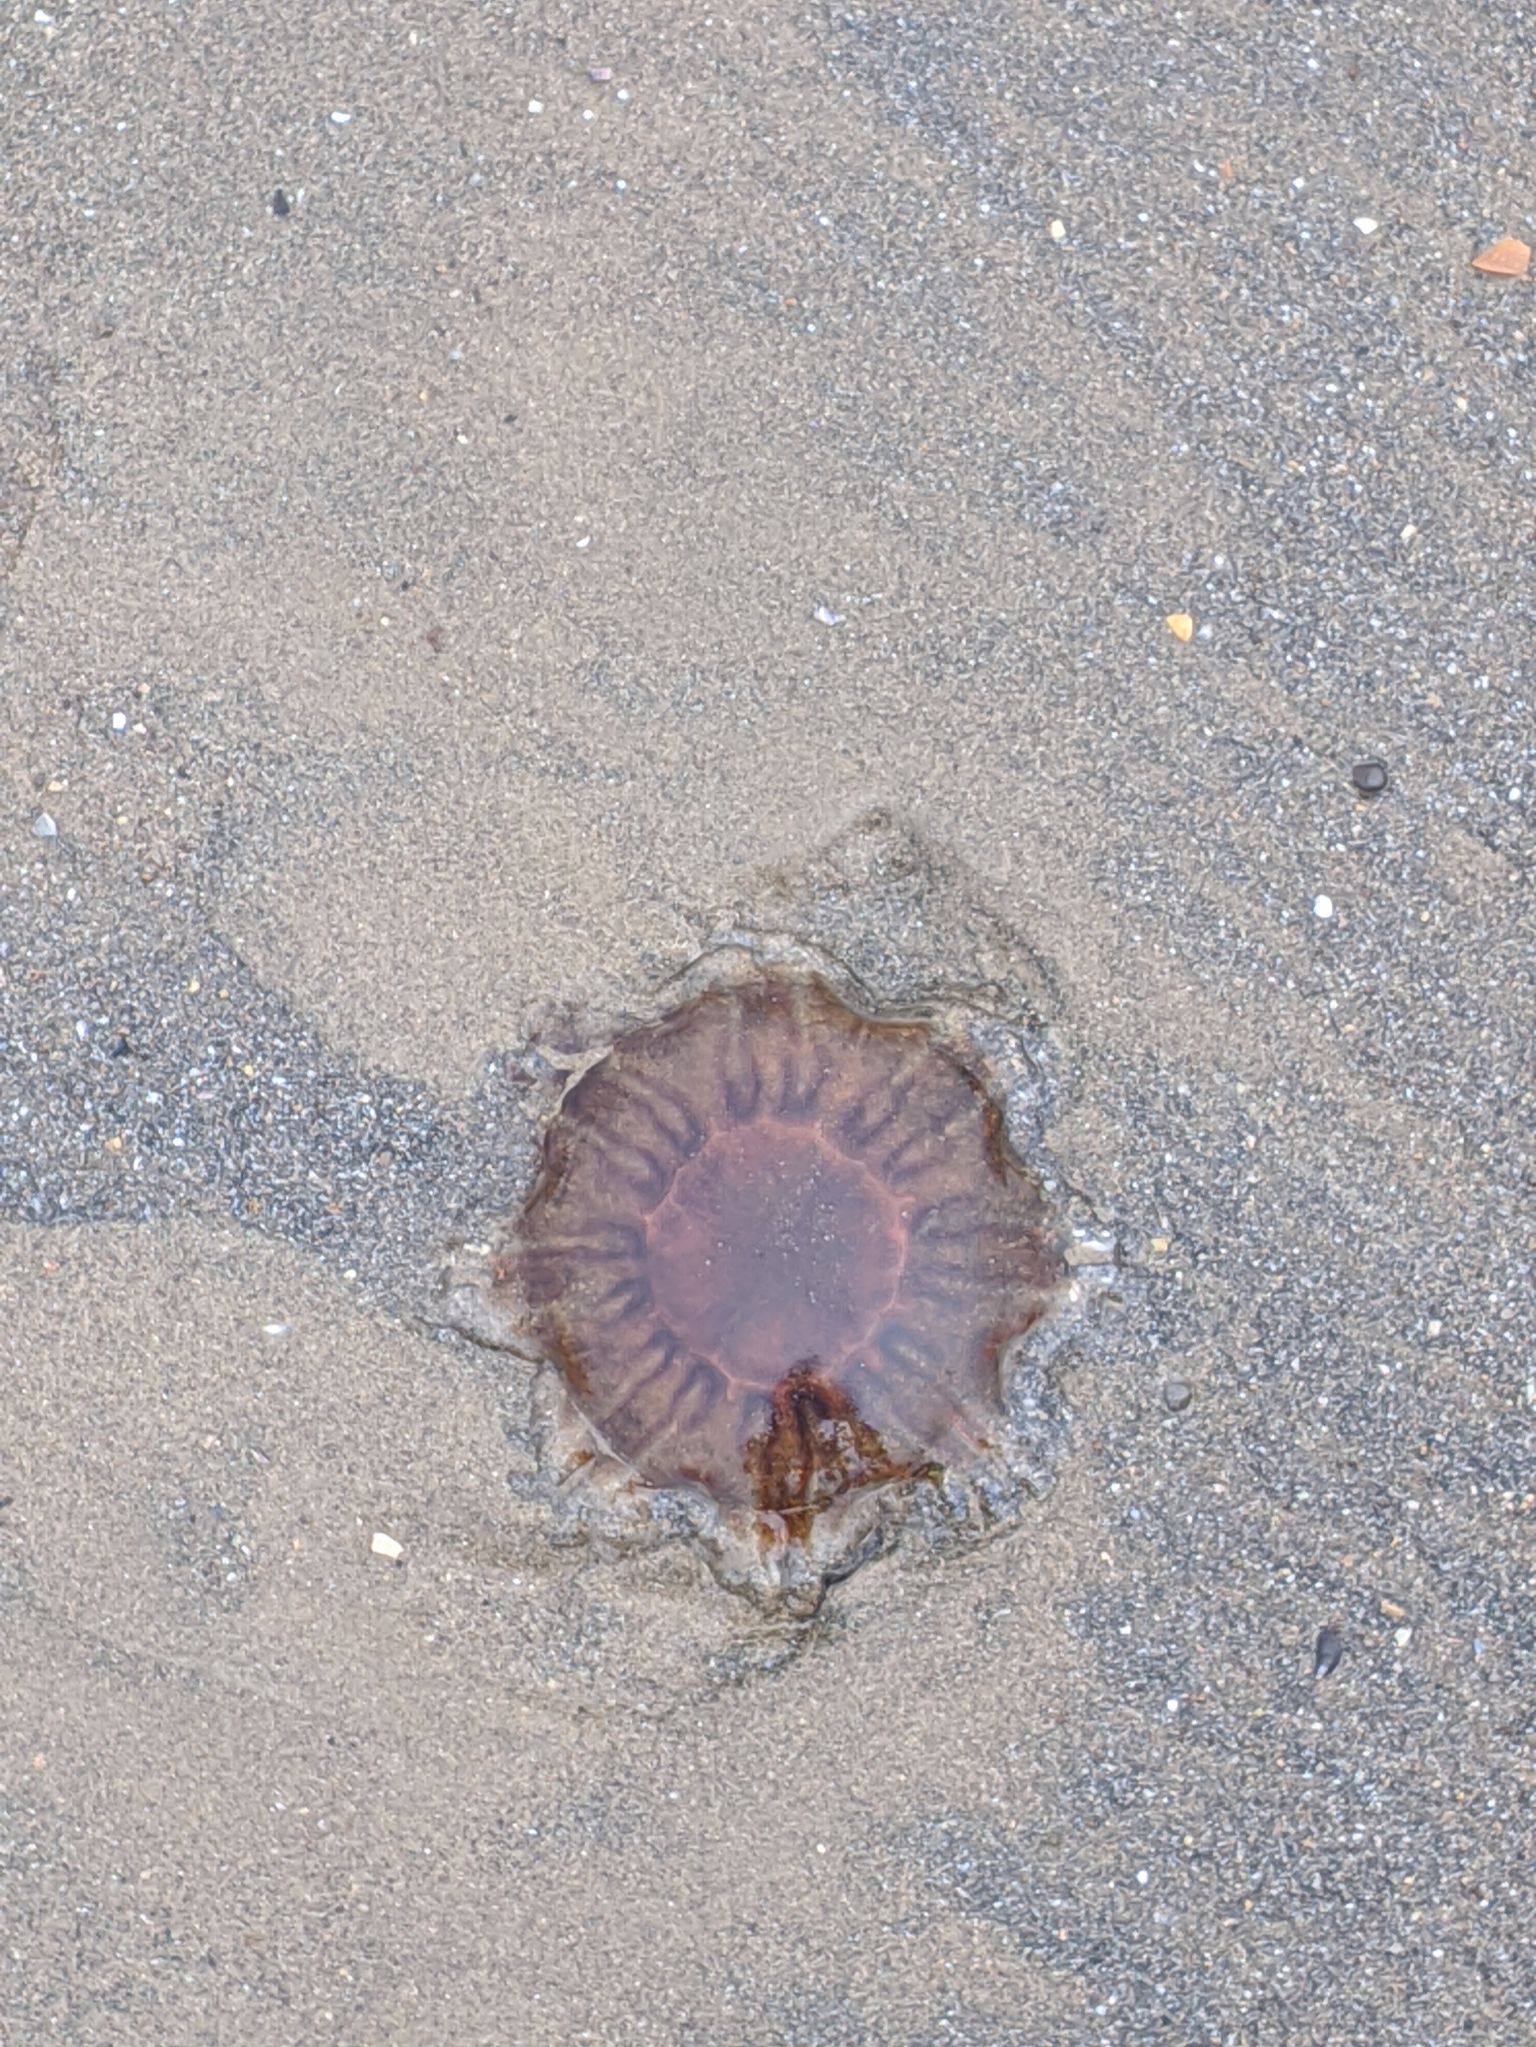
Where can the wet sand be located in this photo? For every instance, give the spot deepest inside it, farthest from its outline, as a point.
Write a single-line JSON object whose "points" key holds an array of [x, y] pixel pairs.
{"points": [[591, 514]]}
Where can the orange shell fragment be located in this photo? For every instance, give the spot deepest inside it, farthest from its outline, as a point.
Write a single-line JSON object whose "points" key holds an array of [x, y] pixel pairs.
{"points": [[1509, 257], [1181, 625]]}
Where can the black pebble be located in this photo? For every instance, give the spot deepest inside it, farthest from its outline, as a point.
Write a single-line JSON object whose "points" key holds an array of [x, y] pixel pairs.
{"points": [[1369, 777], [282, 209], [1330, 1647]]}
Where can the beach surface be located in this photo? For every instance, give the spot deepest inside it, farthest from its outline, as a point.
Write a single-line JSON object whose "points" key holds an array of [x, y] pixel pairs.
{"points": [[1030, 498]]}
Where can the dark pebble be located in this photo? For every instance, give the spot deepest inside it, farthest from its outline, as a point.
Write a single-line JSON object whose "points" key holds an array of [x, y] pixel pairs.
{"points": [[1330, 1647], [1177, 1395], [280, 204], [1369, 777]]}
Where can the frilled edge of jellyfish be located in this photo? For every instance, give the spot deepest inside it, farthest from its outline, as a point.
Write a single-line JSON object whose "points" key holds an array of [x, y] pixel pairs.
{"points": [[592, 1495]]}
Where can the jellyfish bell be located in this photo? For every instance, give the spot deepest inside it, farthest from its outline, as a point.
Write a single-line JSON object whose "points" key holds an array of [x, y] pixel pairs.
{"points": [[778, 1251]]}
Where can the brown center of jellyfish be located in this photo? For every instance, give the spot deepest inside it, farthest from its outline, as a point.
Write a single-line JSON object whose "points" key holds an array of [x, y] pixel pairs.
{"points": [[773, 1250]]}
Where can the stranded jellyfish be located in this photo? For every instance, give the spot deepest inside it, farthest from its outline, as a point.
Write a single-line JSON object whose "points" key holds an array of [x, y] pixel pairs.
{"points": [[778, 1249]]}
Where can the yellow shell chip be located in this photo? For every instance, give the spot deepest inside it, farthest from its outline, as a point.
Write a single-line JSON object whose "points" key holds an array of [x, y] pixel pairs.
{"points": [[1181, 625]]}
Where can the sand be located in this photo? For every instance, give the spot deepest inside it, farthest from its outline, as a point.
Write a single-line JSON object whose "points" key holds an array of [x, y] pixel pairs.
{"points": [[591, 515]]}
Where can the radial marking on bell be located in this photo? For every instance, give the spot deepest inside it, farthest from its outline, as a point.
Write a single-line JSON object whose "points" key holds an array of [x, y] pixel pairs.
{"points": [[671, 1118], [625, 1299], [634, 1160], [697, 1388], [648, 1393], [741, 1081]]}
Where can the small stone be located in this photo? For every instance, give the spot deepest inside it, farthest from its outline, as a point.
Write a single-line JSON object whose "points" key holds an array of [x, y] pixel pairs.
{"points": [[43, 826], [274, 1328], [1365, 224], [1092, 1251], [1325, 1658], [340, 118], [1181, 625], [535, 106], [386, 1546], [1057, 230], [1390, 1610], [281, 205], [1177, 1394], [599, 73], [825, 615], [1322, 906], [119, 721], [1402, 1637], [1369, 777]]}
